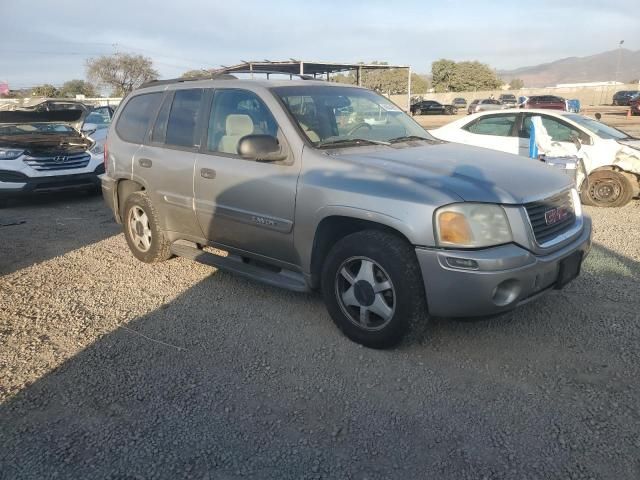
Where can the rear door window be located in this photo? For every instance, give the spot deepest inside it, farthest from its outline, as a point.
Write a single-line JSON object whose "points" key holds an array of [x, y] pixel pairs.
{"points": [[498, 125], [184, 118], [135, 119]]}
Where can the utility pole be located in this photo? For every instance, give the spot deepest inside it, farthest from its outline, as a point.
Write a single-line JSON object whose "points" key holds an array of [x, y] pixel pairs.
{"points": [[615, 79]]}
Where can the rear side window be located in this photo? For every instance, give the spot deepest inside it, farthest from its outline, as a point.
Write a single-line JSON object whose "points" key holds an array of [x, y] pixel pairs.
{"points": [[499, 125], [134, 120], [183, 118]]}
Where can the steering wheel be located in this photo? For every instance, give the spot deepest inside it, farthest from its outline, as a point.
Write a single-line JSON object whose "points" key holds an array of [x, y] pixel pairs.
{"points": [[357, 127]]}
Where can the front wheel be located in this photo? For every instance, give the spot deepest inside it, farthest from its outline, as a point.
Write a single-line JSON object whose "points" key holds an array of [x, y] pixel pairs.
{"points": [[372, 287], [607, 188]]}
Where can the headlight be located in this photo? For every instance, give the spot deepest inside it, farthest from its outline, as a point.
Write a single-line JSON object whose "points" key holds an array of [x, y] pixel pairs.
{"points": [[472, 225], [97, 149], [10, 153]]}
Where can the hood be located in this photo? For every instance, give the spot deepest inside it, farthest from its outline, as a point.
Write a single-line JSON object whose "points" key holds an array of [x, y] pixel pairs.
{"points": [[473, 174], [633, 143], [73, 118]]}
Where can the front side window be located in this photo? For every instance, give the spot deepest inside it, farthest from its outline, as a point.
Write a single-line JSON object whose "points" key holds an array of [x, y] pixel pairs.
{"points": [[498, 125], [183, 118], [234, 115], [347, 115], [133, 123], [558, 131]]}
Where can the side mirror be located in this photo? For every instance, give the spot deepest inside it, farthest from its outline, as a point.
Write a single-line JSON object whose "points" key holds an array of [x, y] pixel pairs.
{"points": [[89, 128], [261, 148]]}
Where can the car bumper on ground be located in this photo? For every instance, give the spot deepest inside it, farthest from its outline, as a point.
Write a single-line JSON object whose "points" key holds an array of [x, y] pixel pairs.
{"points": [[15, 183], [502, 277]]}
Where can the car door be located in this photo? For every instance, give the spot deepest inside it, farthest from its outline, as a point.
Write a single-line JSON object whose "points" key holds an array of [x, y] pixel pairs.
{"points": [[166, 160], [560, 132], [244, 204], [496, 132]]}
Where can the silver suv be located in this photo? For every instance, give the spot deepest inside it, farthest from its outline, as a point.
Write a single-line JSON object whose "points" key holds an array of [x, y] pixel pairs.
{"points": [[310, 185]]}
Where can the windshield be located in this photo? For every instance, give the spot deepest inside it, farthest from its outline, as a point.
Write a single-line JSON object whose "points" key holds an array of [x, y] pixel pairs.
{"points": [[600, 129], [347, 115], [35, 128]]}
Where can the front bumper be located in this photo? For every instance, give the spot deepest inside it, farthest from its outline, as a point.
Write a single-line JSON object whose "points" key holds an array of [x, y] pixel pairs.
{"points": [[506, 277], [22, 184]]}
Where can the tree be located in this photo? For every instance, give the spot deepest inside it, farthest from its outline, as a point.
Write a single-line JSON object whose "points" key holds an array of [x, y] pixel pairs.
{"points": [[121, 71], [449, 76], [46, 90], [77, 87], [516, 84], [442, 73], [196, 74], [387, 81]]}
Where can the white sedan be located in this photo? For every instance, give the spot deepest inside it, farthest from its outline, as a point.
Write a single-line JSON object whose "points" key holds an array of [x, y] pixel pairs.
{"points": [[611, 157]]}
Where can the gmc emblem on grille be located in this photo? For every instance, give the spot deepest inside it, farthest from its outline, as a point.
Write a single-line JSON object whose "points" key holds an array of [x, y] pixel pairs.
{"points": [[60, 159], [555, 215]]}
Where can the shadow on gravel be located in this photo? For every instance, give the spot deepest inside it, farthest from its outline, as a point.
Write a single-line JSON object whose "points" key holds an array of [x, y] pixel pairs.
{"points": [[39, 227], [261, 385]]}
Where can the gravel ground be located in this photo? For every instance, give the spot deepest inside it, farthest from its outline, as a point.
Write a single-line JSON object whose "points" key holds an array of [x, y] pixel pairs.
{"points": [[110, 368]]}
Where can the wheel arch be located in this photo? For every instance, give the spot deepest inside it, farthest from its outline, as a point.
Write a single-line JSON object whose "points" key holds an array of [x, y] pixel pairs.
{"points": [[332, 228], [124, 188]]}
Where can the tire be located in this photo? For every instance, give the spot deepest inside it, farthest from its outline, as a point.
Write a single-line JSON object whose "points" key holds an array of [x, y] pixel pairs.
{"points": [[607, 188], [418, 111], [392, 264], [141, 229]]}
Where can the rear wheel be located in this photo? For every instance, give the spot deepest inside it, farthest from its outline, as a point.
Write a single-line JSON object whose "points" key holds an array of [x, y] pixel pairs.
{"points": [[607, 188], [141, 229], [372, 287]]}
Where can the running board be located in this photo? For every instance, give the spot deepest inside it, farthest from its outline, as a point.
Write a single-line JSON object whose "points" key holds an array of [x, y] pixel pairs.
{"points": [[284, 279]]}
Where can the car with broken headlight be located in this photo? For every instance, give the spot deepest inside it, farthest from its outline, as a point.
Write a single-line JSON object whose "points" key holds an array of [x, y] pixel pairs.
{"points": [[390, 224]]}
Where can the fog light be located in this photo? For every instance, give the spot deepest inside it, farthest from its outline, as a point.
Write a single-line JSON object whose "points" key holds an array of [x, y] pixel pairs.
{"points": [[466, 263], [506, 292]]}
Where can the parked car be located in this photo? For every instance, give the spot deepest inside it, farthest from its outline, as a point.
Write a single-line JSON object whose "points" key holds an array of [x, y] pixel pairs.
{"points": [[427, 107], [508, 99], [484, 105], [550, 102], [634, 104], [459, 102], [611, 157], [387, 221], [623, 97], [47, 150]]}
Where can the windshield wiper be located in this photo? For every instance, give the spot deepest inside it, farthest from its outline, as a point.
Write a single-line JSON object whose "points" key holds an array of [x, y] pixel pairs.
{"points": [[406, 138], [345, 141]]}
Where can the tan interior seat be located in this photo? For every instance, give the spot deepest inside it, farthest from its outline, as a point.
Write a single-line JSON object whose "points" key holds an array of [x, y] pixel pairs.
{"points": [[236, 127]]}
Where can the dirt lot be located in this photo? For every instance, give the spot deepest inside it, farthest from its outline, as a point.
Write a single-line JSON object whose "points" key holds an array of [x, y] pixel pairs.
{"points": [[110, 368]]}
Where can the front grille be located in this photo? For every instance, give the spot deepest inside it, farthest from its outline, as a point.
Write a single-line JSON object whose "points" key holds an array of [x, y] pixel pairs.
{"points": [[58, 162], [537, 211]]}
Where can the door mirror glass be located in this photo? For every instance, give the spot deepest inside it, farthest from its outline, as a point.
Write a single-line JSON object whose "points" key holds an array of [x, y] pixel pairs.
{"points": [[262, 148]]}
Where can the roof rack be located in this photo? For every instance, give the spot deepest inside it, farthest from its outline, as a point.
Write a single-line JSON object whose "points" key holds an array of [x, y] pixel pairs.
{"points": [[213, 76]]}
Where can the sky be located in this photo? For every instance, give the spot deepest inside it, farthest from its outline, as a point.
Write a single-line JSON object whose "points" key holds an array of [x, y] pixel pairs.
{"points": [[50, 41]]}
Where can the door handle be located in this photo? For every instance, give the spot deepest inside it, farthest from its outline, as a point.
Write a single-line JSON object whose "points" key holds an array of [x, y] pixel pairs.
{"points": [[207, 173], [145, 162]]}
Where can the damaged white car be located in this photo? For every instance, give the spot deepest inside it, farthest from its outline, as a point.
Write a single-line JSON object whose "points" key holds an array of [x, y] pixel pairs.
{"points": [[611, 158]]}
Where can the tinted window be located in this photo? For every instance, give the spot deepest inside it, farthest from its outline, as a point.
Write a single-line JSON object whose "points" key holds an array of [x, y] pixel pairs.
{"points": [[236, 114], [558, 131], [134, 120], [501, 125], [183, 118], [159, 129]]}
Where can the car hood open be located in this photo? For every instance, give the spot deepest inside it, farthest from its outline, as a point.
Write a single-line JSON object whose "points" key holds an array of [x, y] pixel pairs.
{"points": [[473, 174], [73, 118]]}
